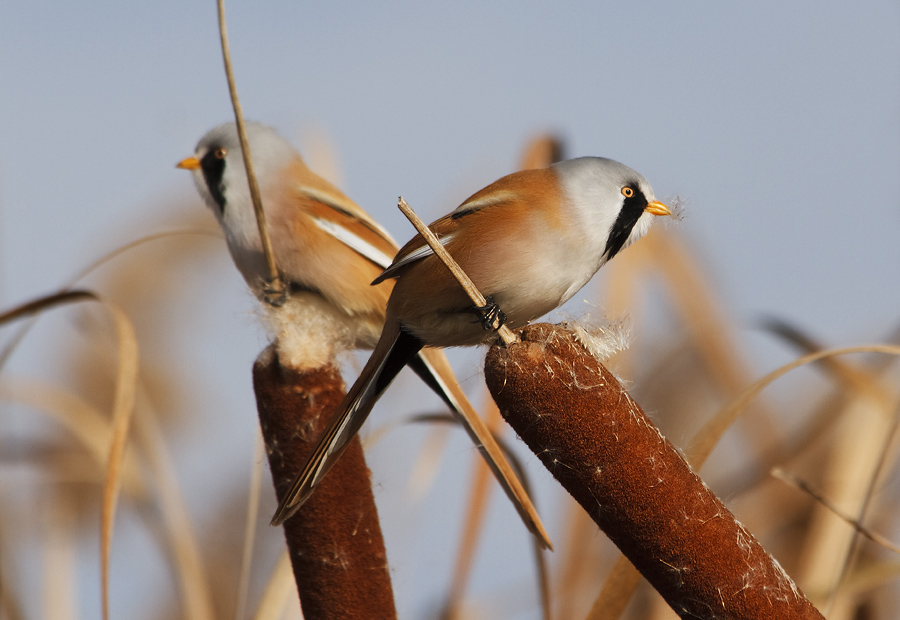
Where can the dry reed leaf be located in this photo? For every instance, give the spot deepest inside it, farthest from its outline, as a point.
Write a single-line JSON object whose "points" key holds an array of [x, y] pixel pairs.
{"points": [[706, 322], [851, 376], [706, 439], [183, 544], [280, 590], [802, 485], [871, 576], [85, 423], [864, 433], [579, 563], [20, 334], [10, 606], [541, 151], [862, 423], [123, 408], [123, 405], [617, 591], [521, 474]]}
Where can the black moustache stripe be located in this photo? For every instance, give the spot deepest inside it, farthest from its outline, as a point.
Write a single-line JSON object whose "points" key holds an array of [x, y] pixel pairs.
{"points": [[213, 170], [632, 209]]}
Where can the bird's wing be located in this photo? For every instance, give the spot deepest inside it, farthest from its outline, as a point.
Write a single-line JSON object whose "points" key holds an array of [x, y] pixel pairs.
{"points": [[355, 242], [344, 205]]}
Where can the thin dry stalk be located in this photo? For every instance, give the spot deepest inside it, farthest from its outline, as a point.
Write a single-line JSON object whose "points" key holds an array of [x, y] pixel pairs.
{"points": [[707, 437], [275, 290], [616, 592], [472, 291], [799, 483]]}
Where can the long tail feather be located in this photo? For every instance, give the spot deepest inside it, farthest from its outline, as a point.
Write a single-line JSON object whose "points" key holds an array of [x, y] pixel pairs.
{"points": [[433, 368], [392, 353]]}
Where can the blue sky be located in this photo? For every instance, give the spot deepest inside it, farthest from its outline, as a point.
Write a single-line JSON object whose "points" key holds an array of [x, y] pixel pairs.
{"points": [[777, 123]]}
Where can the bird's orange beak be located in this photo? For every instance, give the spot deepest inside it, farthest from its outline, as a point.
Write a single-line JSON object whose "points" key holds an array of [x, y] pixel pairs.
{"points": [[191, 163], [655, 207]]}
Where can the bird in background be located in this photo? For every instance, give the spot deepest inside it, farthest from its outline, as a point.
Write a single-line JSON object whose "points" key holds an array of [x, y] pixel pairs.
{"points": [[528, 241], [328, 251]]}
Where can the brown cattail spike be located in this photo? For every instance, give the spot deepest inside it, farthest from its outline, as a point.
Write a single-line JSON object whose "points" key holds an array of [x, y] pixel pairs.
{"points": [[596, 441], [334, 541]]}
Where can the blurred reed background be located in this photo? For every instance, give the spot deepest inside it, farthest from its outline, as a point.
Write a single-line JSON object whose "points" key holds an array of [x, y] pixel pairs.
{"points": [[829, 426], [737, 98]]}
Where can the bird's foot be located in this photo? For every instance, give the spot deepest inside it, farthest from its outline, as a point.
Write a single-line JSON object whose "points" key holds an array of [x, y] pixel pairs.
{"points": [[490, 315]]}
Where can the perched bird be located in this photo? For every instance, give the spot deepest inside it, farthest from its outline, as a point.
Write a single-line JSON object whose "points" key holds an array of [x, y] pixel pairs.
{"points": [[528, 241], [328, 251]]}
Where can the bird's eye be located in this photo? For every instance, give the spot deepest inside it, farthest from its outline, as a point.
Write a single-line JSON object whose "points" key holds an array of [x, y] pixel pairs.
{"points": [[627, 192], [220, 153]]}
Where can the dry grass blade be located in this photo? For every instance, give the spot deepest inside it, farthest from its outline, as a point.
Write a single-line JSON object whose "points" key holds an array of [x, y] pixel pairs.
{"points": [[871, 577], [425, 470], [13, 343], [542, 151], [578, 562], [707, 437], [802, 485], [854, 381], [86, 424], [483, 438], [478, 505], [863, 454], [850, 376], [706, 321], [45, 303], [616, 592], [123, 406]]}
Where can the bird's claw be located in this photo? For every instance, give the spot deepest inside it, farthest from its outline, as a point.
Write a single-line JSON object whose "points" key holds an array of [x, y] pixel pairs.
{"points": [[275, 293], [491, 316]]}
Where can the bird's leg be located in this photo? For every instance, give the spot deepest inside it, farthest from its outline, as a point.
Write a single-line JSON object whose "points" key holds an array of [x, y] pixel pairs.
{"points": [[275, 292], [490, 315]]}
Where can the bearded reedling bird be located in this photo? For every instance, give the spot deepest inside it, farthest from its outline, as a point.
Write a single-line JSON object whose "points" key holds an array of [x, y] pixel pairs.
{"points": [[328, 250], [529, 242]]}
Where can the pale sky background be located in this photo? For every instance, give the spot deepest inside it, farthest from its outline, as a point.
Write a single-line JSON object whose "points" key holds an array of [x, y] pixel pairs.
{"points": [[778, 123]]}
